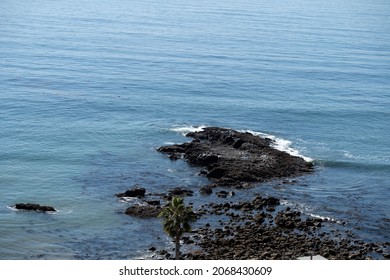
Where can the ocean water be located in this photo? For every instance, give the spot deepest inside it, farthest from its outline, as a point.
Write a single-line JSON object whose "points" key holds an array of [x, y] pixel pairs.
{"points": [[89, 90]]}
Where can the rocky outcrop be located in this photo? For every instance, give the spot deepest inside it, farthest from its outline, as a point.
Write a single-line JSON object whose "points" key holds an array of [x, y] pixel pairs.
{"points": [[261, 227], [135, 192], [149, 205], [144, 211], [179, 192], [34, 207], [233, 158]]}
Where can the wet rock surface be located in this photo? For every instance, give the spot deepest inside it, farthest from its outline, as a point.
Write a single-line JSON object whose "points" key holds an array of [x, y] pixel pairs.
{"points": [[234, 158], [259, 227], [148, 205], [178, 192], [143, 211], [134, 192], [34, 207], [253, 230], [258, 241], [262, 228]]}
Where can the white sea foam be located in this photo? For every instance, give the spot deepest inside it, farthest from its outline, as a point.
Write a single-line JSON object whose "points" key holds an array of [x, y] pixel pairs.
{"points": [[299, 206], [187, 129], [308, 211], [11, 208], [324, 218], [169, 143], [133, 201], [349, 155], [280, 144], [63, 211]]}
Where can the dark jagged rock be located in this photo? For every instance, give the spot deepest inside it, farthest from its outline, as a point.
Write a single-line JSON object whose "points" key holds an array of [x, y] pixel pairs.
{"points": [[248, 234], [310, 223], [34, 207], [143, 211], [254, 239], [260, 202], [222, 194], [179, 192], [153, 202], [135, 192], [234, 158], [288, 219], [175, 151]]}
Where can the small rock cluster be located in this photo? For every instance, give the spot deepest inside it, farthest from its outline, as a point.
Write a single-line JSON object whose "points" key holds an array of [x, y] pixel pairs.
{"points": [[149, 208]]}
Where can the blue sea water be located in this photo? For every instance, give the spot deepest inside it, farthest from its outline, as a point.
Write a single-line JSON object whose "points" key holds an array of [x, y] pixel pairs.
{"points": [[89, 90]]}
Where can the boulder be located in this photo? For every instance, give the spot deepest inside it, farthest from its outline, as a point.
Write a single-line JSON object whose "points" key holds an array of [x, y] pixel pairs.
{"points": [[143, 211]]}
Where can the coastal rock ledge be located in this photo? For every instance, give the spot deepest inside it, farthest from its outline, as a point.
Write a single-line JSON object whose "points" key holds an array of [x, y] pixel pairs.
{"points": [[233, 158]]}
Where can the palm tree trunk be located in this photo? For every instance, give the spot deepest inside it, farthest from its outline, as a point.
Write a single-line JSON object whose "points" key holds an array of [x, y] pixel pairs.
{"points": [[177, 248]]}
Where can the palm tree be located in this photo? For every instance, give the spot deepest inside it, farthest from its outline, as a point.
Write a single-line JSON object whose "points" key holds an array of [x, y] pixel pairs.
{"points": [[177, 218]]}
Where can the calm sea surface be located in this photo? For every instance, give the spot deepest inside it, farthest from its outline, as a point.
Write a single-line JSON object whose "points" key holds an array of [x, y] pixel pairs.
{"points": [[89, 90]]}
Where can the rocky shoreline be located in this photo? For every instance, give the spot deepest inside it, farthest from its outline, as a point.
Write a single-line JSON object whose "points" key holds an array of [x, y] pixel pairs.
{"points": [[256, 230], [259, 228]]}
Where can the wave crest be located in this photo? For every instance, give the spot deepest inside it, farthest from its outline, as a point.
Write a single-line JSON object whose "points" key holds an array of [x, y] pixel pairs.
{"points": [[187, 129]]}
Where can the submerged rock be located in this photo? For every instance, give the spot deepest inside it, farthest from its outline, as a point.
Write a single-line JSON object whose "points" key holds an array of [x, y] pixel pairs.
{"points": [[233, 158], [34, 207]]}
